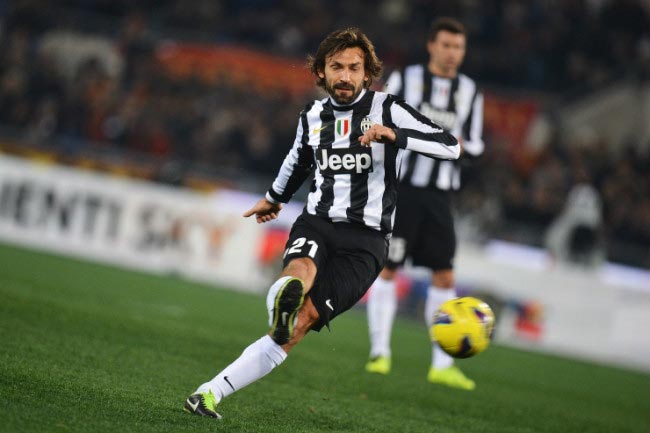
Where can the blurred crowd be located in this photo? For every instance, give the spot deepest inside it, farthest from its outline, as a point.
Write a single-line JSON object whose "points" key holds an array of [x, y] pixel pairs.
{"points": [[576, 184], [550, 45], [123, 101]]}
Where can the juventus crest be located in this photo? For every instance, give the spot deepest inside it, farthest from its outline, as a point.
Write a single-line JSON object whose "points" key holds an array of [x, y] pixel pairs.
{"points": [[366, 123]]}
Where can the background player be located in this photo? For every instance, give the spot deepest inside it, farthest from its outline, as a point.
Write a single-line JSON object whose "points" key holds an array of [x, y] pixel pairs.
{"points": [[424, 227]]}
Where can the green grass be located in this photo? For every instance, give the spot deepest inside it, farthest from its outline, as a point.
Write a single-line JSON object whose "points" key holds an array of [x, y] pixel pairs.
{"points": [[90, 348]]}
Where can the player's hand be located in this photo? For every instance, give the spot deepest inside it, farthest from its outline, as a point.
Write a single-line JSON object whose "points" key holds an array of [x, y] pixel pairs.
{"points": [[379, 134], [264, 211]]}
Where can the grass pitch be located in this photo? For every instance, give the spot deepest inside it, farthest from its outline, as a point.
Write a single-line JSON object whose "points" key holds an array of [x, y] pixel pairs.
{"points": [[90, 348]]}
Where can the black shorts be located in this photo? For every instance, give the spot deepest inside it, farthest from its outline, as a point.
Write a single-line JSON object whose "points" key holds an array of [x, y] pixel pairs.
{"points": [[348, 259], [423, 230]]}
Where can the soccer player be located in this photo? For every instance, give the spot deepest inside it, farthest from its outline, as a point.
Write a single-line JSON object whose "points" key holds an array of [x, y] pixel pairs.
{"points": [[424, 227], [353, 140]]}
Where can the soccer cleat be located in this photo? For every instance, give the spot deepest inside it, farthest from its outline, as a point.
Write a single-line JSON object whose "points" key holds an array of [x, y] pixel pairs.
{"points": [[378, 364], [450, 376], [287, 303], [203, 404]]}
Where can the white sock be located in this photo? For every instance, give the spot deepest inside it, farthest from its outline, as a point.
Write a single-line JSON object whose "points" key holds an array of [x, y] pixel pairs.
{"points": [[270, 296], [382, 305], [255, 362], [435, 298]]}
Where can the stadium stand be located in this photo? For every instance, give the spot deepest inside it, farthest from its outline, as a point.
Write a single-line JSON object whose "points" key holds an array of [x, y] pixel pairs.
{"points": [[147, 89]]}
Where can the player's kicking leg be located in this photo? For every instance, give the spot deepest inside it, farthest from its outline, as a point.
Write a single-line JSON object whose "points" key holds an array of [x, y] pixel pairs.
{"points": [[285, 304], [290, 319]]}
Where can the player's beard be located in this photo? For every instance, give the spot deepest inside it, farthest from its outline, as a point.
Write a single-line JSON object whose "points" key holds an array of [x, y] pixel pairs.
{"points": [[343, 99]]}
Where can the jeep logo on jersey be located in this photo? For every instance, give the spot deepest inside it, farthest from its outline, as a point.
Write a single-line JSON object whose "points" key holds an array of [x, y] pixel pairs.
{"points": [[355, 160], [342, 127]]}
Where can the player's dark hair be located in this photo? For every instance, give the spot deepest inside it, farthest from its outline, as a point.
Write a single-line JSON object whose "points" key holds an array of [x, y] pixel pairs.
{"points": [[338, 41], [447, 24]]}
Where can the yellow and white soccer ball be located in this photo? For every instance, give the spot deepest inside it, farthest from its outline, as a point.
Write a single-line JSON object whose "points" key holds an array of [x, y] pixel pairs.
{"points": [[463, 326]]}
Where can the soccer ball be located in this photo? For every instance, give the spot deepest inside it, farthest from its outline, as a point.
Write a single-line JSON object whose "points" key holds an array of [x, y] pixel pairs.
{"points": [[463, 326]]}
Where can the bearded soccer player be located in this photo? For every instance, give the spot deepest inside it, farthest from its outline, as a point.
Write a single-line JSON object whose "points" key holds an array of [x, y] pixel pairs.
{"points": [[353, 140], [424, 226]]}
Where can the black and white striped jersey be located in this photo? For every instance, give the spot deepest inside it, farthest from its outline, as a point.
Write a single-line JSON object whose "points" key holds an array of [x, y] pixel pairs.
{"points": [[456, 105], [353, 183]]}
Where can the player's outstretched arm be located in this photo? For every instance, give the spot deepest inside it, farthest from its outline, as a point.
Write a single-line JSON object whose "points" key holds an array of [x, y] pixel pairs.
{"points": [[379, 134], [264, 211]]}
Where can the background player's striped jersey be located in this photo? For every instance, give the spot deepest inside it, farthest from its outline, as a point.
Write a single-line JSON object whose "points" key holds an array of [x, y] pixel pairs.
{"points": [[456, 105], [353, 183]]}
